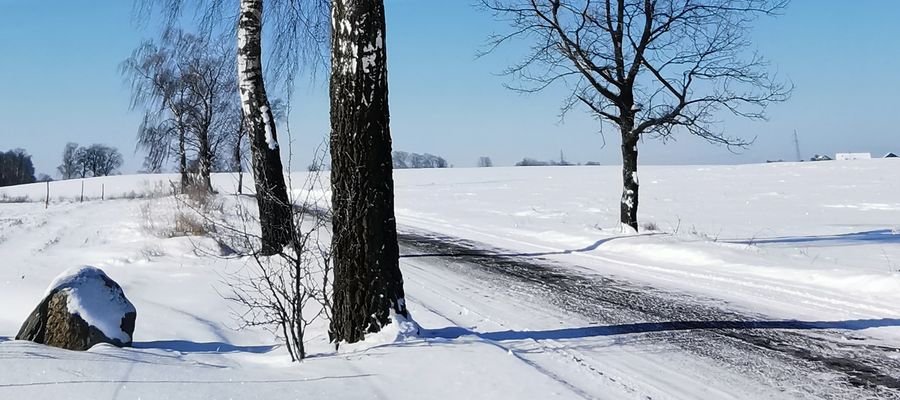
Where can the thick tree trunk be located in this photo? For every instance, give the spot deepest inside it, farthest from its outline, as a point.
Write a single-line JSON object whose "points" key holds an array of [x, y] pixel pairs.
{"points": [[629, 204], [271, 191], [205, 162], [368, 285], [182, 161]]}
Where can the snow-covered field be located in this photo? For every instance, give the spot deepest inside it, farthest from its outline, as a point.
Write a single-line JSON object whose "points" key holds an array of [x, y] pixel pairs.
{"points": [[810, 241], [795, 240]]}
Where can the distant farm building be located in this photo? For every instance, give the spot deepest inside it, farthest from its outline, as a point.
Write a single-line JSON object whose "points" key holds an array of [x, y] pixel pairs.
{"points": [[852, 156], [890, 155], [820, 158]]}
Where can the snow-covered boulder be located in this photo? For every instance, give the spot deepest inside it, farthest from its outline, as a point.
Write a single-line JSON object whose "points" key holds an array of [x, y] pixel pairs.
{"points": [[82, 307]]}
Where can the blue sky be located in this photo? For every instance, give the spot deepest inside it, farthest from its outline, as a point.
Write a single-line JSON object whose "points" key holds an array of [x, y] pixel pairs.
{"points": [[59, 62]]}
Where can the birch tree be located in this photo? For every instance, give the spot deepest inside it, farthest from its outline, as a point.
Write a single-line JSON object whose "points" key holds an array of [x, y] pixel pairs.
{"points": [[368, 285], [298, 30], [153, 72], [187, 86], [271, 191], [650, 68], [209, 76]]}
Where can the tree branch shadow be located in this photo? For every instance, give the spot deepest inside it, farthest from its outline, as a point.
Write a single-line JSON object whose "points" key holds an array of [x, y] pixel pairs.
{"points": [[480, 253], [454, 332], [882, 236], [186, 346], [182, 381]]}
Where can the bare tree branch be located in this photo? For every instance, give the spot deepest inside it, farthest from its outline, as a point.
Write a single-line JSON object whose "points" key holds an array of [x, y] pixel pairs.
{"points": [[650, 67]]}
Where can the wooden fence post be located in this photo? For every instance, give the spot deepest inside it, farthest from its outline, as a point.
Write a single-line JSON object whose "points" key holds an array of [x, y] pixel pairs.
{"points": [[47, 202], [82, 190]]}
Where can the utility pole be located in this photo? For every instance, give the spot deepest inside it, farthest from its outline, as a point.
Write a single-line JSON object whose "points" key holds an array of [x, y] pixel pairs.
{"points": [[797, 146]]}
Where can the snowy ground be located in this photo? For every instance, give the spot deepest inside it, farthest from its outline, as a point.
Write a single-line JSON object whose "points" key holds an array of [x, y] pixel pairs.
{"points": [[813, 242]]}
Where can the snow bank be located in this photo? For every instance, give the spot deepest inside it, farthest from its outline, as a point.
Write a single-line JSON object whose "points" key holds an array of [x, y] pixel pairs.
{"points": [[94, 300], [401, 329]]}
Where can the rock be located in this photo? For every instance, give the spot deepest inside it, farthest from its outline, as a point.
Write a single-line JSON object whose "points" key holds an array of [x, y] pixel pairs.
{"points": [[82, 307]]}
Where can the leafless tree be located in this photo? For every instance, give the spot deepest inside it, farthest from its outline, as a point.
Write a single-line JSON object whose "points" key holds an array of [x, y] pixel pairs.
{"points": [[237, 143], [101, 160], [276, 293], [285, 292], [155, 85], [300, 32], [485, 162], [81, 162], [186, 85], [68, 169], [94, 160], [209, 75], [648, 67], [16, 167], [268, 173], [403, 160]]}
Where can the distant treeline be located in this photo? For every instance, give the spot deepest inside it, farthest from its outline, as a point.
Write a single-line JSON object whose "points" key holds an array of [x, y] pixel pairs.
{"points": [[404, 160], [16, 168], [531, 162], [94, 160]]}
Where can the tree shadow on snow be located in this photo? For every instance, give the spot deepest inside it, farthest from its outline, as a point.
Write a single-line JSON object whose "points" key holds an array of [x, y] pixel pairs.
{"points": [[649, 327], [186, 346], [883, 236], [480, 253], [90, 382]]}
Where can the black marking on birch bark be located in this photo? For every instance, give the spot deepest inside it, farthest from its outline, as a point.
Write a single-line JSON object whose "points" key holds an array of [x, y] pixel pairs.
{"points": [[275, 216], [368, 284]]}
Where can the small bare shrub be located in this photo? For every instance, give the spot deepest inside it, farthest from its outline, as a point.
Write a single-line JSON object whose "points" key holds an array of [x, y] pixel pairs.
{"points": [[650, 226], [188, 225], [151, 190], [128, 196], [287, 292], [156, 189], [5, 198], [149, 221], [196, 193], [191, 215]]}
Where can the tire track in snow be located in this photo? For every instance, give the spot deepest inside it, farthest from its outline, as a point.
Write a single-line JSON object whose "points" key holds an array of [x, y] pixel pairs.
{"points": [[550, 374], [630, 379], [755, 286], [860, 371]]}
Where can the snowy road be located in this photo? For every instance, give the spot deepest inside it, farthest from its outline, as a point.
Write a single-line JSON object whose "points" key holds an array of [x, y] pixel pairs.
{"points": [[637, 339]]}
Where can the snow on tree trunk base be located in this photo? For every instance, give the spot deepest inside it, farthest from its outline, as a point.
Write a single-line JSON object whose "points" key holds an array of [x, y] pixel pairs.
{"points": [[83, 307], [400, 329]]}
